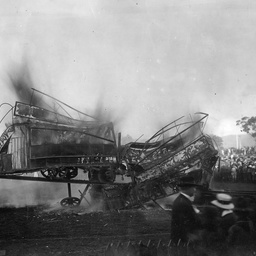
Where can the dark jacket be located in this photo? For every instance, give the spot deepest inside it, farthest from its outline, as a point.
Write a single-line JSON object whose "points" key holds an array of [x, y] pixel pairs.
{"points": [[184, 220], [241, 232], [226, 222]]}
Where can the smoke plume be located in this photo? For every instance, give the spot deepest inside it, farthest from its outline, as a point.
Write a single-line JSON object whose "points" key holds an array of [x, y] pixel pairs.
{"points": [[21, 83]]}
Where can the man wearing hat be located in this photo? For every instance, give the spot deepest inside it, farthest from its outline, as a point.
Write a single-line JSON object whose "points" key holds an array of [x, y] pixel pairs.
{"points": [[185, 220], [227, 217]]}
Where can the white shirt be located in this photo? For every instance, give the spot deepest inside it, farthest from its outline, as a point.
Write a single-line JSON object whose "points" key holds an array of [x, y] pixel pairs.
{"points": [[190, 198], [224, 213]]}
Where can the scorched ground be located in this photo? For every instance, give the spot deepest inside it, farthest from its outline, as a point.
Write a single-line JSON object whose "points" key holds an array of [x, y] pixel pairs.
{"points": [[46, 231]]}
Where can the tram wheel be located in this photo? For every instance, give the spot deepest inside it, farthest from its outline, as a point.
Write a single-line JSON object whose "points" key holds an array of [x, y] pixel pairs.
{"points": [[49, 173], [70, 202], [62, 172], [68, 172]]}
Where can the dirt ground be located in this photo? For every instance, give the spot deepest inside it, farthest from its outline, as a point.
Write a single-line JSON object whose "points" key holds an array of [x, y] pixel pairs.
{"points": [[43, 231], [53, 230]]}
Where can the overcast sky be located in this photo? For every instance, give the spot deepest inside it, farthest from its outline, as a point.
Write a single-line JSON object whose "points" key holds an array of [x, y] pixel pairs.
{"points": [[147, 62]]}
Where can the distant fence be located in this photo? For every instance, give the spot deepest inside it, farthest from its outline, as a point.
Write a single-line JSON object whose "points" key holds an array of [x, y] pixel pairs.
{"points": [[149, 249]]}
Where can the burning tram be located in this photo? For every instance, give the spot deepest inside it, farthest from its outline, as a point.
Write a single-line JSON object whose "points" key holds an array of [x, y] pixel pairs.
{"points": [[55, 145], [64, 149]]}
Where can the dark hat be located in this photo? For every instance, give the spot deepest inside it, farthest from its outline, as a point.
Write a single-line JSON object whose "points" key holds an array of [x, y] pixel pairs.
{"points": [[187, 181]]}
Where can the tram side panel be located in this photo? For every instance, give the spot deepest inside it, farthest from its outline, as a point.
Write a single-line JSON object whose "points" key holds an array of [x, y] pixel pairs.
{"points": [[67, 148], [36, 146], [18, 152], [14, 157]]}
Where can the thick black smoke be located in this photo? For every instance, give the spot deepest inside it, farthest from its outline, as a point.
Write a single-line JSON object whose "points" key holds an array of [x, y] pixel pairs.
{"points": [[21, 83]]}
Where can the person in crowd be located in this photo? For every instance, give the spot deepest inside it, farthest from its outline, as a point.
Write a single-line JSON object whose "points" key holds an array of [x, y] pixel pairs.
{"points": [[241, 232], [253, 173], [210, 239], [234, 172], [251, 170], [228, 218], [241, 171], [185, 220], [241, 235]]}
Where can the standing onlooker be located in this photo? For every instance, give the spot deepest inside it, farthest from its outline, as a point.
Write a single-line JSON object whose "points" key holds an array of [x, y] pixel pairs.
{"points": [[241, 234], [210, 229], [234, 172], [185, 220], [227, 216], [254, 173], [240, 171], [251, 169]]}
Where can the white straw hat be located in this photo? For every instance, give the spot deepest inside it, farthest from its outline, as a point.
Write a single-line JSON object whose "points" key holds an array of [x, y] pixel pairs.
{"points": [[224, 201]]}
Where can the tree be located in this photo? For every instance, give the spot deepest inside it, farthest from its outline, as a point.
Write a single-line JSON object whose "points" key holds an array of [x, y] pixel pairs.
{"points": [[248, 125], [218, 140]]}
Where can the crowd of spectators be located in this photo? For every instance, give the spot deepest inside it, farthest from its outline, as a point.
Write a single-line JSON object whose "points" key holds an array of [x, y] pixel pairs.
{"points": [[237, 165], [224, 226], [227, 228]]}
